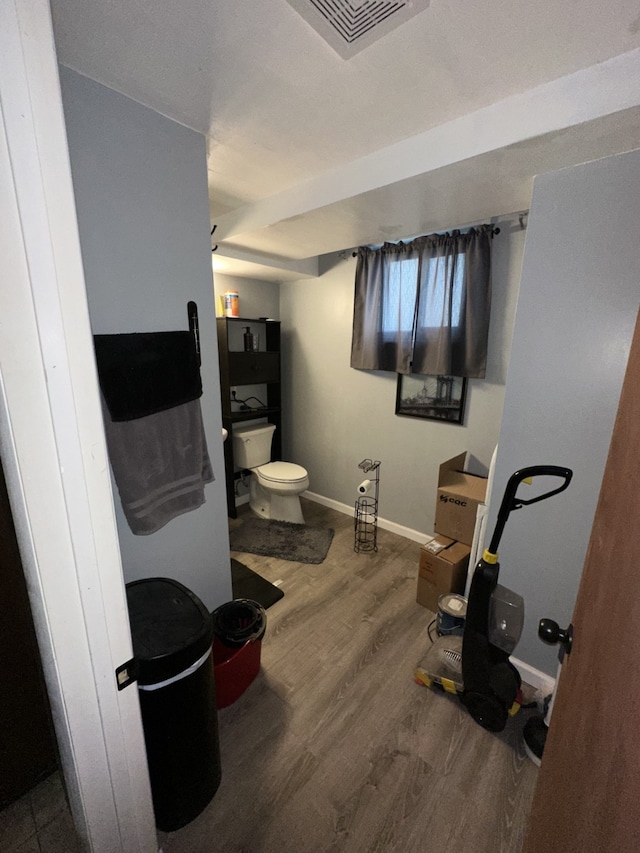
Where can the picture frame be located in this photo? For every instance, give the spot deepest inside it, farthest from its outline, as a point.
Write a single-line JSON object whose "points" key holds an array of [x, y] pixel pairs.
{"points": [[436, 398]]}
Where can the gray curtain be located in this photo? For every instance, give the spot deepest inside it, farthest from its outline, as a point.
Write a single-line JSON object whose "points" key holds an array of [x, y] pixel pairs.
{"points": [[424, 306]]}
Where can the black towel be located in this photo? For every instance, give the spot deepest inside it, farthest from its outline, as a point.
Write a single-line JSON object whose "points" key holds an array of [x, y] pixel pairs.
{"points": [[147, 372]]}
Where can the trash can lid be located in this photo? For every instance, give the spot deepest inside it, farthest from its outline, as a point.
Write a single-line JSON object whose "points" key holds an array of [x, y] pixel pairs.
{"points": [[170, 628]]}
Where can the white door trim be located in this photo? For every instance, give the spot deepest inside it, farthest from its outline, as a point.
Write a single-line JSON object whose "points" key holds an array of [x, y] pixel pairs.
{"points": [[54, 454]]}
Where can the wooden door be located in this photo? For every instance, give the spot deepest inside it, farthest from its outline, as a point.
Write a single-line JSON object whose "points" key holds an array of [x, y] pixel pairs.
{"points": [[27, 744], [588, 792]]}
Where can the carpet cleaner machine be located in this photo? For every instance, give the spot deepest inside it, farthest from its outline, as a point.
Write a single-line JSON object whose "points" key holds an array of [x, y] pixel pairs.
{"points": [[475, 666]]}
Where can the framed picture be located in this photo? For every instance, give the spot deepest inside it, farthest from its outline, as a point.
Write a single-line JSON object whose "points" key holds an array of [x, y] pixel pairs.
{"points": [[439, 398]]}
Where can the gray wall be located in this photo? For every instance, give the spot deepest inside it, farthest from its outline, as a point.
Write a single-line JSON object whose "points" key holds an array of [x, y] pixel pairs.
{"points": [[140, 183], [335, 416], [576, 312], [256, 298]]}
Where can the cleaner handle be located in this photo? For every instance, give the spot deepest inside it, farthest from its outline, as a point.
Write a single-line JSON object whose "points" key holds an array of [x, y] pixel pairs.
{"points": [[539, 471], [510, 502]]}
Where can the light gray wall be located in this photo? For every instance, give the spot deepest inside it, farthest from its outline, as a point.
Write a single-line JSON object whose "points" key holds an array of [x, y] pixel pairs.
{"points": [[576, 312], [256, 298], [335, 416], [140, 183]]}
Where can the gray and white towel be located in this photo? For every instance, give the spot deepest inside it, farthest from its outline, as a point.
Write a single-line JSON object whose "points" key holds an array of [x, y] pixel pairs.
{"points": [[160, 464]]}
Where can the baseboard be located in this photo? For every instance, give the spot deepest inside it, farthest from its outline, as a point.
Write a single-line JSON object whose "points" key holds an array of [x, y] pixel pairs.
{"points": [[243, 499], [399, 529], [543, 683]]}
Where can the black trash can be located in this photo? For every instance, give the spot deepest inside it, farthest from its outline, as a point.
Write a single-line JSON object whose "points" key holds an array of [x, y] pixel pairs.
{"points": [[172, 634]]}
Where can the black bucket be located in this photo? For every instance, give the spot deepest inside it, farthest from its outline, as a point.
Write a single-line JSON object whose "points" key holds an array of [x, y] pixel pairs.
{"points": [[239, 621]]}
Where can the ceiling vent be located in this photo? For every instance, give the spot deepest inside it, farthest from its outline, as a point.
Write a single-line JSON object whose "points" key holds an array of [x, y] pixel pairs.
{"points": [[349, 26]]}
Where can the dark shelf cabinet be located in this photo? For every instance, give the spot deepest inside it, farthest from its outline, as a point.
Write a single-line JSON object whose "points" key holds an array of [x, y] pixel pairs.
{"points": [[239, 368], [254, 368]]}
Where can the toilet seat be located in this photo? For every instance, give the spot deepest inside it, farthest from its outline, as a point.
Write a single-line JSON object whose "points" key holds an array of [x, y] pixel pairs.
{"points": [[281, 472]]}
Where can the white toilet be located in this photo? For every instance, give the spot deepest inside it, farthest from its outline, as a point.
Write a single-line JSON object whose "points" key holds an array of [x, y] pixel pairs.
{"points": [[274, 487]]}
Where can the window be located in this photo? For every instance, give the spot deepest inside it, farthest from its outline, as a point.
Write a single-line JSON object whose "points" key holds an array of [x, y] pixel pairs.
{"points": [[440, 301], [423, 306], [399, 296]]}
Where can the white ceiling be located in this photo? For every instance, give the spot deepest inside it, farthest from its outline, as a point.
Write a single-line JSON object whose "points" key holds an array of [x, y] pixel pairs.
{"points": [[441, 123]]}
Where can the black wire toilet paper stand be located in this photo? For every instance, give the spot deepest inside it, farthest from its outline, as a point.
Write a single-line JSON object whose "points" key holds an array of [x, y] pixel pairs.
{"points": [[365, 519]]}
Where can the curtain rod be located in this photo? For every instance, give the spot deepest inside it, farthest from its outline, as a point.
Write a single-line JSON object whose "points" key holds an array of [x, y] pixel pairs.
{"points": [[494, 231], [522, 217]]}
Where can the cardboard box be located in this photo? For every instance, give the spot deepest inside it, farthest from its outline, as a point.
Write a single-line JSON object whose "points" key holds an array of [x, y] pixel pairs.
{"points": [[443, 568], [457, 500]]}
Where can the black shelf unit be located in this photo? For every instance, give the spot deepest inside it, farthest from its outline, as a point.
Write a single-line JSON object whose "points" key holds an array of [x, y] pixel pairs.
{"points": [[238, 368]]}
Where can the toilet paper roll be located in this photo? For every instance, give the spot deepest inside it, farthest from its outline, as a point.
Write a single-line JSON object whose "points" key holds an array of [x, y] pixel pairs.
{"points": [[365, 487]]}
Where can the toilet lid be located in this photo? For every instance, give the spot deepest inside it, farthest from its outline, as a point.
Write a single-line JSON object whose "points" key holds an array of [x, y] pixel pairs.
{"points": [[282, 472]]}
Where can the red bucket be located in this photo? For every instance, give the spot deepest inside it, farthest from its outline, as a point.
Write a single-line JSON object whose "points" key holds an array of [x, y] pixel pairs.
{"points": [[234, 668]]}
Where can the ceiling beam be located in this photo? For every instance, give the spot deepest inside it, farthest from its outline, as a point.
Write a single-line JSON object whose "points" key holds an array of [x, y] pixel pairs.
{"points": [[601, 90], [262, 266]]}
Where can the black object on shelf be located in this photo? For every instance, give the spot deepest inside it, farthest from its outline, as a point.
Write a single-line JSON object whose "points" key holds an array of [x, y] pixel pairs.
{"points": [[239, 367], [365, 518], [172, 633]]}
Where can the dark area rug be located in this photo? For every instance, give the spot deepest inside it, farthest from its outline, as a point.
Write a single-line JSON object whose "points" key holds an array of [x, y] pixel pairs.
{"points": [[296, 542], [246, 583]]}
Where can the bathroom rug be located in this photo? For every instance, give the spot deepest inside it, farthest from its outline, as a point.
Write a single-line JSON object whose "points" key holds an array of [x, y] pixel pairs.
{"points": [[298, 543]]}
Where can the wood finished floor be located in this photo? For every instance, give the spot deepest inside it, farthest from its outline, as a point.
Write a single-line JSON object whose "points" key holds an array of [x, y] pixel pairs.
{"points": [[334, 748]]}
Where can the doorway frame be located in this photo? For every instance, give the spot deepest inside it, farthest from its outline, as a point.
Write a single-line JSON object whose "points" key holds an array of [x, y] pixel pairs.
{"points": [[54, 452]]}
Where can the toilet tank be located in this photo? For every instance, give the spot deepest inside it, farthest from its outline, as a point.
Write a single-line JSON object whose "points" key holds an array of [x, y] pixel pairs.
{"points": [[252, 444]]}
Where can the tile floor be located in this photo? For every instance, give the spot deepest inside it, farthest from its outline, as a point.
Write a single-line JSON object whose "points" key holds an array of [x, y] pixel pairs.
{"points": [[39, 822]]}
